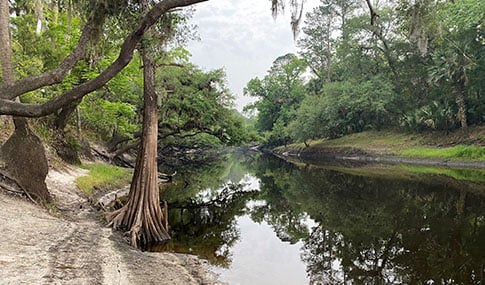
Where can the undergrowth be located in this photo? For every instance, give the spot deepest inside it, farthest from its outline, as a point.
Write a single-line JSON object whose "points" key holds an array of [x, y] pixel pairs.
{"points": [[103, 177]]}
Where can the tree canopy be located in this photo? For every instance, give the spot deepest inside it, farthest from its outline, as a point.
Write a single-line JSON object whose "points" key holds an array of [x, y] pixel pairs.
{"points": [[414, 66]]}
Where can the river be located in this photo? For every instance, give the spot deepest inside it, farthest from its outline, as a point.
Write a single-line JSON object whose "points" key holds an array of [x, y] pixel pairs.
{"points": [[258, 219]]}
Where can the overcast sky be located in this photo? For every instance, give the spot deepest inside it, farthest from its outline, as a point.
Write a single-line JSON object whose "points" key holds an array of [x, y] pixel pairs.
{"points": [[242, 37]]}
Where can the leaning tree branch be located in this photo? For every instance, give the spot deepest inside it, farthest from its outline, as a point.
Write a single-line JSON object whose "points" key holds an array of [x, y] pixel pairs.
{"points": [[126, 148], [187, 127], [8, 107], [55, 76]]}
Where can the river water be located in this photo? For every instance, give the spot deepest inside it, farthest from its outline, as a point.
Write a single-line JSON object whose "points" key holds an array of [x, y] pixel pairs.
{"points": [[258, 219]]}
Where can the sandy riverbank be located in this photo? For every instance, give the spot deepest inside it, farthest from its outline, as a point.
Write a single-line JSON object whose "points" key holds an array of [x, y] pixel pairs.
{"points": [[72, 246]]}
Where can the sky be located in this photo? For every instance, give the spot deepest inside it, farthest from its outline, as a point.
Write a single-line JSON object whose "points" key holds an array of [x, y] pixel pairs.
{"points": [[242, 37]]}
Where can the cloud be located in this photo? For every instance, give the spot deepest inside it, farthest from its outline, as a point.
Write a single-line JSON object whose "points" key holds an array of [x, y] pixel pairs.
{"points": [[242, 37]]}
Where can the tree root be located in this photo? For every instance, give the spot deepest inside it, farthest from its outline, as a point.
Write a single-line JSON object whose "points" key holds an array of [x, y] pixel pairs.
{"points": [[9, 188], [144, 229]]}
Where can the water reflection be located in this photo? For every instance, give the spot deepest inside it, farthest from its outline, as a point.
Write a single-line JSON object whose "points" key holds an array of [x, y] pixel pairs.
{"points": [[365, 229], [205, 224]]}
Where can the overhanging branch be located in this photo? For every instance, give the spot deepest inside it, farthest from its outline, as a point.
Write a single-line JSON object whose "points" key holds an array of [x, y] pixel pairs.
{"points": [[8, 107], [55, 76]]}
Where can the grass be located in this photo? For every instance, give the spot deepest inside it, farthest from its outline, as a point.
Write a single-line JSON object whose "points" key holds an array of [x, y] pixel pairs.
{"points": [[456, 152], [103, 177]]}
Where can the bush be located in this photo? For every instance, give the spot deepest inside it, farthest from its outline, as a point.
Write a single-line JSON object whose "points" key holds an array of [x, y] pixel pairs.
{"points": [[345, 108], [434, 116]]}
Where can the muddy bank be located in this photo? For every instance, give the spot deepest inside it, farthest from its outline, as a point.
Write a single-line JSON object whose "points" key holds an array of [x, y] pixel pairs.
{"points": [[70, 245], [348, 156]]}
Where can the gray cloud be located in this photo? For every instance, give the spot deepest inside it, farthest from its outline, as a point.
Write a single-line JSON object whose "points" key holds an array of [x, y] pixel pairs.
{"points": [[242, 37]]}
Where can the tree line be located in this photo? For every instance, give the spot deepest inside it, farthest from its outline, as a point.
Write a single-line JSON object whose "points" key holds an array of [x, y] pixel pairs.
{"points": [[412, 65]]}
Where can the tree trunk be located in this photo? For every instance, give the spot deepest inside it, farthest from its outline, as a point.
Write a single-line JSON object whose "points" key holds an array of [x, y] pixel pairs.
{"points": [[5, 49], [142, 214], [78, 122], [329, 54], [65, 113], [460, 100], [23, 152]]}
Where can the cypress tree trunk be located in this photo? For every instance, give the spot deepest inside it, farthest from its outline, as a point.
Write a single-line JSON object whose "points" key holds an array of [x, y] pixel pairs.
{"points": [[142, 214]]}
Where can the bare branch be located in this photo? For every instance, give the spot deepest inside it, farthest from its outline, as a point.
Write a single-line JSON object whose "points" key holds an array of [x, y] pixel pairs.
{"points": [[373, 14], [166, 64]]}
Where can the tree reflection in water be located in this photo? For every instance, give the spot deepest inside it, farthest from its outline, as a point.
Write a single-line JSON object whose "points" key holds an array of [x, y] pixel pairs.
{"points": [[381, 230], [208, 228], [367, 229]]}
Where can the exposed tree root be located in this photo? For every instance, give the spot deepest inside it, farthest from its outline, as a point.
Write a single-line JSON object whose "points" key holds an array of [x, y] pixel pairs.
{"points": [[11, 185], [142, 217]]}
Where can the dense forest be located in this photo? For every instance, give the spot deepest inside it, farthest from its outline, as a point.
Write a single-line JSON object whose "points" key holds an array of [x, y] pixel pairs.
{"points": [[193, 104], [412, 65]]}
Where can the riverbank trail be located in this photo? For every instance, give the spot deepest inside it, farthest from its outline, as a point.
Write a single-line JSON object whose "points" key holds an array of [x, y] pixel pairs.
{"points": [[71, 245]]}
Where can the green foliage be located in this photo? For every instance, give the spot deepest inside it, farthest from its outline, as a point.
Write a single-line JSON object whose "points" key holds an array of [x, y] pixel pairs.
{"points": [[344, 108], [435, 116], [192, 100], [103, 177], [105, 116], [196, 103], [279, 94], [418, 66], [463, 14], [52, 45]]}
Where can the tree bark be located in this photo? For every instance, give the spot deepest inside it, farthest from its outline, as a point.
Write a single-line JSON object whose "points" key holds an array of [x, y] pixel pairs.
{"points": [[63, 116], [5, 49], [461, 102], [142, 214], [25, 159]]}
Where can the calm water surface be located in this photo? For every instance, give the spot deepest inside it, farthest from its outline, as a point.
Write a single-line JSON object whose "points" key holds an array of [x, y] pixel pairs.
{"points": [[260, 220]]}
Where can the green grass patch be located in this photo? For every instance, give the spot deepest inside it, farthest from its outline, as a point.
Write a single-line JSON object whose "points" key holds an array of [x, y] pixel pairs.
{"points": [[475, 175], [456, 152], [103, 177]]}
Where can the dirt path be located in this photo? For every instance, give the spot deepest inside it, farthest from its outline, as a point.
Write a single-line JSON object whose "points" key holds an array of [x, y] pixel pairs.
{"points": [[72, 247]]}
